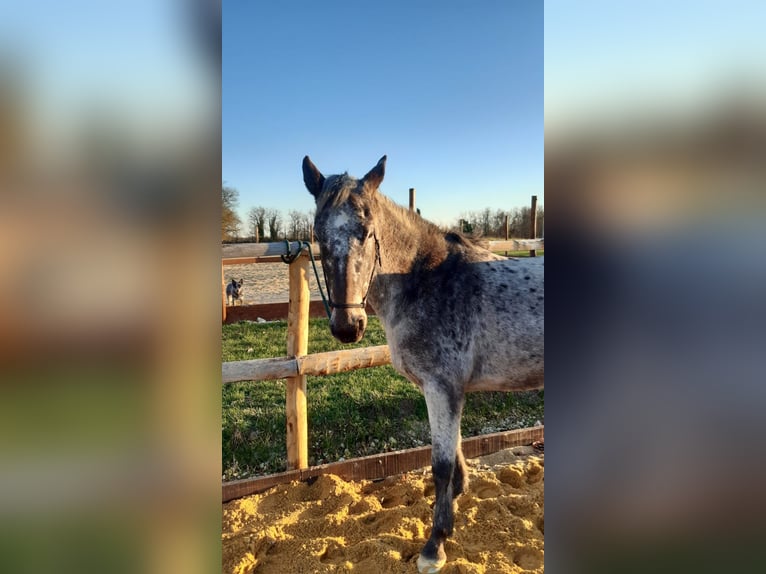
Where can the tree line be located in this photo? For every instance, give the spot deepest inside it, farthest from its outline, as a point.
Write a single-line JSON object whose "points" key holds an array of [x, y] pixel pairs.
{"points": [[267, 224], [261, 223], [491, 223]]}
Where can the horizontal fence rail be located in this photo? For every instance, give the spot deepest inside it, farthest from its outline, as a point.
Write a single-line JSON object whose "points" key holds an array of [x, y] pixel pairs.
{"points": [[515, 245], [239, 250], [377, 466], [316, 364], [246, 252]]}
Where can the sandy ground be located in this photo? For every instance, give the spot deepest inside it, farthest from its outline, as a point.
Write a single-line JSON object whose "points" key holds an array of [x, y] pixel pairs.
{"points": [[268, 282], [379, 527]]}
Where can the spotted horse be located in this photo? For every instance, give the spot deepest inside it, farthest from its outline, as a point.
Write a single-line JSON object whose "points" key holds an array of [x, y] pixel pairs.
{"points": [[457, 318]]}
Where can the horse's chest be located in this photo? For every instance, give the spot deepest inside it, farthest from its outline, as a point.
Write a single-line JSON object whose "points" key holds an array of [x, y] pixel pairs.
{"points": [[402, 357], [399, 359]]}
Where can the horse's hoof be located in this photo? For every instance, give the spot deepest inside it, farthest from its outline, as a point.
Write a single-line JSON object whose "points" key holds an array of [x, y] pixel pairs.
{"points": [[428, 566]]}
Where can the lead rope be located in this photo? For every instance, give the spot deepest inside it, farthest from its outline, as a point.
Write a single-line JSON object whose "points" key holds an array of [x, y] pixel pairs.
{"points": [[289, 258]]}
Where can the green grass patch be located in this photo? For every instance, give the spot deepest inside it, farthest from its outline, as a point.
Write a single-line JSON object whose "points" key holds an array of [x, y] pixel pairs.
{"points": [[362, 412]]}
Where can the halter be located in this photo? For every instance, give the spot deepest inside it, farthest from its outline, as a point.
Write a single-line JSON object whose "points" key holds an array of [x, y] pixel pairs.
{"points": [[363, 304]]}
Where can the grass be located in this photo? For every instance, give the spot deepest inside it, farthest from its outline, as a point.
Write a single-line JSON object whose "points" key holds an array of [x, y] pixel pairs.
{"points": [[351, 414]]}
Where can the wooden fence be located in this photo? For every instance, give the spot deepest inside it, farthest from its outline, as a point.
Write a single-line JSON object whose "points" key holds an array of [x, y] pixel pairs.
{"points": [[297, 365]]}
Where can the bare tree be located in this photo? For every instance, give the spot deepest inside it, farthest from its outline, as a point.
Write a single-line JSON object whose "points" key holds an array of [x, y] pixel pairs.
{"points": [[519, 223], [540, 221], [306, 222], [296, 218], [521, 220], [498, 223], [256, 219], [485, 222], [274, 219], [229, 219]]}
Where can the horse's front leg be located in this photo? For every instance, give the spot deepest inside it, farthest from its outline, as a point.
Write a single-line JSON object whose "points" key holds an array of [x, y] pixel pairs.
{"points": [[444, 410]]}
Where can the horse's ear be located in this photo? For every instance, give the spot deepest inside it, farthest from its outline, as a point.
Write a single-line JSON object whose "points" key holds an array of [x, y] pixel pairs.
{"points": [[312, 177], [375, 175]]}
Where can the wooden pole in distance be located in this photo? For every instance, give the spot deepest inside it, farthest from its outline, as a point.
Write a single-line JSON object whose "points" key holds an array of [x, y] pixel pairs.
{"points": [[507, 231], [533, 225], [297, 345], [412, 199]]}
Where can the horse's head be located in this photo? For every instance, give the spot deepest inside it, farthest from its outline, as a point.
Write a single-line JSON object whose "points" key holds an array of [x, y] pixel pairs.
{"points": [[345, 227]]}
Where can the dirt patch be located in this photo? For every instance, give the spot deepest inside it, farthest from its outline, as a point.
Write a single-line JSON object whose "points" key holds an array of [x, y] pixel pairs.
{"points": [[379, 527]]}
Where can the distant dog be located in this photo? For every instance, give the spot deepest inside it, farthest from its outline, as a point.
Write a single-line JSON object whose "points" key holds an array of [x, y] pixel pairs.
{"points": [[234, 292]]}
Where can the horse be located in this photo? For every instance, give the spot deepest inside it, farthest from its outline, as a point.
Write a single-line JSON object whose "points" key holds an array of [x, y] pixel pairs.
{"points": [[457, 317]]}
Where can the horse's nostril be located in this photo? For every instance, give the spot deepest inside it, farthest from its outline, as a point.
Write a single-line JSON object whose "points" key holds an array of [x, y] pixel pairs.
{"points": [[360, 326]]}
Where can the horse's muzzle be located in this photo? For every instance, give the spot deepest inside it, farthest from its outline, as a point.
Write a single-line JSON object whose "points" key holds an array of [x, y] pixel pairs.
{"points": [[348, 325]]}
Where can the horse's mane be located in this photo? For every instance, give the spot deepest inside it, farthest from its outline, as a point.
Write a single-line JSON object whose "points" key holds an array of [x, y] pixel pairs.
{"points": [[408, 216], [452, 240], [338, 189]]}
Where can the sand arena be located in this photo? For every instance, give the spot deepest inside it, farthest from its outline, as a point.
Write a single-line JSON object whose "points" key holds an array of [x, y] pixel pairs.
{"points": [[379, 527]]}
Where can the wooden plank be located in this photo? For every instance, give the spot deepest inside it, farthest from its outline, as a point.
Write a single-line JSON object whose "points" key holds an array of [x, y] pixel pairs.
{"points": [[223, 296], [516, 245], [236, 250], [345, 360], [274, 311], [297, 346], [269, 311], [259, 369], [249, 260], [533, 224], [327, 363], [383, 465], [274, 250]]}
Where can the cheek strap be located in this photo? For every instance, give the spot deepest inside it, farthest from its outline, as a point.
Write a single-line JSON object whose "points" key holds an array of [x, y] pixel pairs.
{"points": [[363, 304]]}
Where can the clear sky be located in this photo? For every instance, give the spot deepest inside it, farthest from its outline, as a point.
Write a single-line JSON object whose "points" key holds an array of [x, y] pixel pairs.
{"points": [[132, 59], [451, 91], [629, 59]]}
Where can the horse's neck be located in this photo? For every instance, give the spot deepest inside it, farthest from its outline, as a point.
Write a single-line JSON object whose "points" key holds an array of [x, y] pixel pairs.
{"points": [[408, 247], [404, 239]]}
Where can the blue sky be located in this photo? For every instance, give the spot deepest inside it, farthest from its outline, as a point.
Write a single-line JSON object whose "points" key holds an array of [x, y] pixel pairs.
{"points": [[626, 60], [133, 62], [451, 91]]}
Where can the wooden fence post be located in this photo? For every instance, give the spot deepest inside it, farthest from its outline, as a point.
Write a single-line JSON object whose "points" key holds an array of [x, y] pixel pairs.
{"points": [[412, 199], [297, 345], [533, 224], [223, 296]]}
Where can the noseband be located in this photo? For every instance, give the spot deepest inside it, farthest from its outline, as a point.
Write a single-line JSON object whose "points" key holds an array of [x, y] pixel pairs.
{"points": [[363, 304]]}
